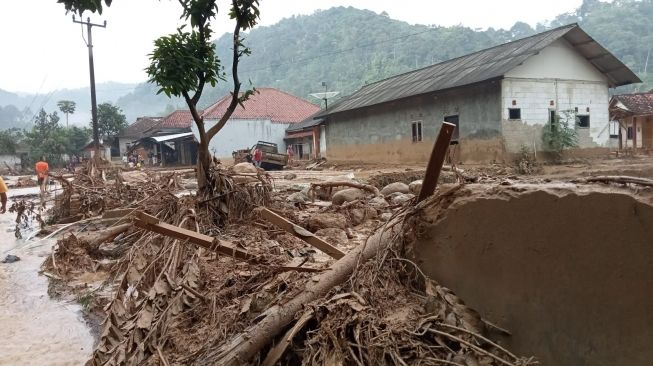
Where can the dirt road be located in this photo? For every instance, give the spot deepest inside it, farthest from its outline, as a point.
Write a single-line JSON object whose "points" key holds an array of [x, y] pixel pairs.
{"points": [[36, 330]]}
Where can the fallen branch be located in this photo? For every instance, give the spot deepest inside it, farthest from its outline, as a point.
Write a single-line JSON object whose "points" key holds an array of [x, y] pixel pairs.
{"points": [[249, 343], [366, 187], [620, 179]]}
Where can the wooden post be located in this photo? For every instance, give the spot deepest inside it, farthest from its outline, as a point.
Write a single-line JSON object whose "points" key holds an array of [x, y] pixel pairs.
{"points": [[436, 160]]}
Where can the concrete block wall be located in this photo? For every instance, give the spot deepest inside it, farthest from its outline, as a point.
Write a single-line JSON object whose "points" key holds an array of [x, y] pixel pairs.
{"points": [[384, 133], [534, 96]]}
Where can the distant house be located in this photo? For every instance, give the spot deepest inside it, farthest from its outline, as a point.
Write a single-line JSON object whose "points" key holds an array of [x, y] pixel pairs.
{"points": [[634, 116], [265, 116], [500, 99], [307, 138], [168, 139]]}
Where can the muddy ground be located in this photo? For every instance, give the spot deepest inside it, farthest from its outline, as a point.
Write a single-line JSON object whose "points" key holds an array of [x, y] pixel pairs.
{"points": [[99, 280]]}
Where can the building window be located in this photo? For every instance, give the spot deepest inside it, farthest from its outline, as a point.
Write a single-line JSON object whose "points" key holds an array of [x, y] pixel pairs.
{"points": [[629, 133], [514, 113], [614, 129], [552, 119], [417, 131], [583, 121]]}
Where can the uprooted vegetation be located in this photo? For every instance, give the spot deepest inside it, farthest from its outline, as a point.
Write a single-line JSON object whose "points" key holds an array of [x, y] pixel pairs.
{"points": [[168, 301]]}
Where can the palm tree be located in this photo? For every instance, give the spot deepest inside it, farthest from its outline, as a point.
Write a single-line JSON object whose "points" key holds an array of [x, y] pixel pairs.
{"points": [[67, 107]]}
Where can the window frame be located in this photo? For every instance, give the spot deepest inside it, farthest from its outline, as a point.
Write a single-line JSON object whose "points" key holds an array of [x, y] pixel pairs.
{"points": [[510, 114], [578, 123], [630, 132], [417, 131]]}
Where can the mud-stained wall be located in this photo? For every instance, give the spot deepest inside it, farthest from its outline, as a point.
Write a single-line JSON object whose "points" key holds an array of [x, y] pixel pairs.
{"points": [[384, 133], [569, 276]]}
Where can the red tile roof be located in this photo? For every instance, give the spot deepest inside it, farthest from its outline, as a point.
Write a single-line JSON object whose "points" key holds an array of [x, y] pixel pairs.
{"points": [[180, 118], [268, 103], [639, 103], [142, 124]]}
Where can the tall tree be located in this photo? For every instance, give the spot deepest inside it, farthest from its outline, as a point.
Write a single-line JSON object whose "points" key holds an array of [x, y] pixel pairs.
{"points": [[184, 62], [111, 120], [66, 107]]}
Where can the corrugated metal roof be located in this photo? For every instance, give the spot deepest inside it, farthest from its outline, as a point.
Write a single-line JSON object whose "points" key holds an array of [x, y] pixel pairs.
{"points": [[483, 65], [307, 123]]}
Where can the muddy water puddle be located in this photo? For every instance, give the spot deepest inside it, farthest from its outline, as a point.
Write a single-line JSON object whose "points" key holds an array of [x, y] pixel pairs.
{"points": [[36, 330]]}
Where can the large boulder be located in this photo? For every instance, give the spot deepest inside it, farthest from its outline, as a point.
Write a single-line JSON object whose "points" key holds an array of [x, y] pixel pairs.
{"points": [[359, 215], [298, 197], [403, 198], [378, 202], [333, 236], [347, 195], [395, 187], [326, 220], [244, 168], [415, 187]]}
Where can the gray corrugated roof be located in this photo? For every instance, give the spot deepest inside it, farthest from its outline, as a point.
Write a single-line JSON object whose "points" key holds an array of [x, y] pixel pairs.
{"points": [[484, 65], [307, 123]]}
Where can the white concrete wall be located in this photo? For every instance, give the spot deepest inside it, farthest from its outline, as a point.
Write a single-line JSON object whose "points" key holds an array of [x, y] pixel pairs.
{"points": [[10, 160], [241, 133], [534, 96], [557, 61], [323, 144], [122, 142]]}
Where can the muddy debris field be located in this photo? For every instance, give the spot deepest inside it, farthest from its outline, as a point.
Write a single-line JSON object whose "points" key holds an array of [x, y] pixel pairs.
{"points": [[319, 267]]}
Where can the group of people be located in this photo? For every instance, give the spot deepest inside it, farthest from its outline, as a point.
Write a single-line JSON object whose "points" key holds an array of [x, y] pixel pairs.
{"points": [[133, 160]]}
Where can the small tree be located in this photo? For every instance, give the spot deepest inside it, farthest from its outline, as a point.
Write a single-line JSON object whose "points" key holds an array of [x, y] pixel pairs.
{"points": [[558, 135], [66, 107], [110, 121], [184, 62]]}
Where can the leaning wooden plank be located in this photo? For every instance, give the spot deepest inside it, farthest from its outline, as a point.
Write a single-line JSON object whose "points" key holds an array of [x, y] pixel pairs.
{"points": [[434, 166], [300, 232], [205, 241]]}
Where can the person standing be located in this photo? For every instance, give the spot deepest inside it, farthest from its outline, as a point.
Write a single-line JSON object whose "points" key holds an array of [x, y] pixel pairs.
{"points": [[42, 169], [258, 156], [3, 196], [290, 153]]}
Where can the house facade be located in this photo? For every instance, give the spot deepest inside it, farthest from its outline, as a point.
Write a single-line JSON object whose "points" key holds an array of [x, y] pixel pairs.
{"points": [[633, 118], [265, 116], [500, 99], [307, 139]]}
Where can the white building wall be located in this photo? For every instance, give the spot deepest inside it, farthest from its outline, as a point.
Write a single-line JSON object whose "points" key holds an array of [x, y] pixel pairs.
{"points": [[534, 96], [241, 133], [122, 144], [323, 144]]}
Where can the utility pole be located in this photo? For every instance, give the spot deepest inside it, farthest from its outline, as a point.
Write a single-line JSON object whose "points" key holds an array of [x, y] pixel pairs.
{"points": [[89, 44]]}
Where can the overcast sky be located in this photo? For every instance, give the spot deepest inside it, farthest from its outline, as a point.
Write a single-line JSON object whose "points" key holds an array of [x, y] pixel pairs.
{"points": [[42, 50]]}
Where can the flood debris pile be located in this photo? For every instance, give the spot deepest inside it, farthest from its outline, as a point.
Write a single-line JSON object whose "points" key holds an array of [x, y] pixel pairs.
{"points": [[239, 276]]}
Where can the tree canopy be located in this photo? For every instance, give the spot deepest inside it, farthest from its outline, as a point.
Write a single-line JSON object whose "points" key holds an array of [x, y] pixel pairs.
{"points": [[111, 120]]}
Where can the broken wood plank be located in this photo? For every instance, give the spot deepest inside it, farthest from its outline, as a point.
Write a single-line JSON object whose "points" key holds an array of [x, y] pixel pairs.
{"points": [[145, 221], [366, 187], [436, 160], [300, 232]]}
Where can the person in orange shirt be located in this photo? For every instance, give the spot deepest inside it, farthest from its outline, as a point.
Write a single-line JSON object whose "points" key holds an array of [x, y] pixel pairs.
{"points": [[3, 196], [42, 170]]}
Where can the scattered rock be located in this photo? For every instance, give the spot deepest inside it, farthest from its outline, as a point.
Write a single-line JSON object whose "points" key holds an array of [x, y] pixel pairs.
{"points": [[398, 200], [361, 214], [393, 195], [347, 195], [326, 220], [289, 176], [395, 187], [333, 236], [378, 202], [244, 168], [190, 185], [10, 258], [415, 187], [298, 197], [386, 216]]}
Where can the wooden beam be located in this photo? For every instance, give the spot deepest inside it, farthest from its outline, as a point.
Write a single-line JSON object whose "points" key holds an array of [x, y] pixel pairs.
{"points": [[151, 223], [436, 160], [300, 232]]}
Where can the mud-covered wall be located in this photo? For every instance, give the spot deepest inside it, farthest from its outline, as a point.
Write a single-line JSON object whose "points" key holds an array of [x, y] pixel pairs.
{"points": [[570, 276], [384, 133]]}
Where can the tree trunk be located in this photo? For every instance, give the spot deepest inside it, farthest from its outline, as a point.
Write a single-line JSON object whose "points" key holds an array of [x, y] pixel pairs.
{"points": [[203, 164], [242, 347]]}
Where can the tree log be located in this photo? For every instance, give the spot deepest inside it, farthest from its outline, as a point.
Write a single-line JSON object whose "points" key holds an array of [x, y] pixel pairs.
{"points": [[95, 239], [242, 347], [621, 179], [362, 186]]}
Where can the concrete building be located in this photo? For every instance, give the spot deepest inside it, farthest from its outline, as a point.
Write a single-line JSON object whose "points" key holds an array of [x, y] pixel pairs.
{"points": [[307, 139], [265, 116], [633, 120], [134, 132], [500, 98]]}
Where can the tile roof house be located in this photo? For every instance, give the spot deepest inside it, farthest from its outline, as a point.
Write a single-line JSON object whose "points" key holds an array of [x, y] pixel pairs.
{"points": [[634, 116], [500, 98], [176, 122], [263, 117]]}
